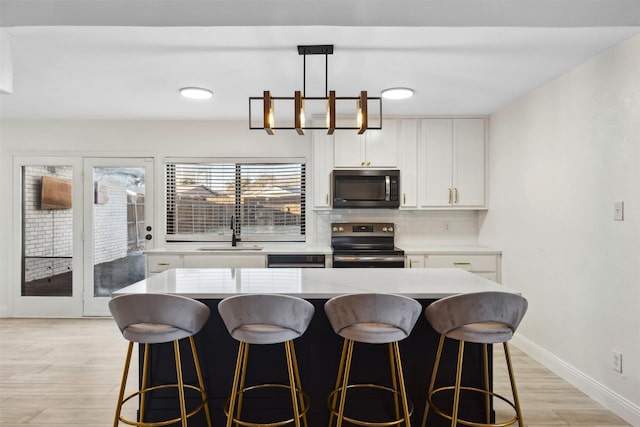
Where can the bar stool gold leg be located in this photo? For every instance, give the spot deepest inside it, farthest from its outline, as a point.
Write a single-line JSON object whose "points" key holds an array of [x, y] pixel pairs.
{"points": [[343, 358], [436, 364], [183, 409], [123, 384], [456, 393], [203, 393], [345, 382], [512, 380], [403, 392], [292, 384], [243, 377], [234, 387], [394, 380], [298, 384]]}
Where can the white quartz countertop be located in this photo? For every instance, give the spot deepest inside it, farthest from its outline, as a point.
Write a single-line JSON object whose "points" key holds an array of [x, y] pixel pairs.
{"points": [[226, 248], [303, 248], [309, 283]]}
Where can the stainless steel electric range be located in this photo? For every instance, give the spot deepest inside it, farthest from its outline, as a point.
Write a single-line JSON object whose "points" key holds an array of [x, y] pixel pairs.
{"points": [[365, 245]]}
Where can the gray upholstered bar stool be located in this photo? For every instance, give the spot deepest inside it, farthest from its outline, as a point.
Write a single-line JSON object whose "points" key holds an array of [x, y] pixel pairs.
{"points": [[481, 317], [374, 319], [160, 318], [266, 319]]}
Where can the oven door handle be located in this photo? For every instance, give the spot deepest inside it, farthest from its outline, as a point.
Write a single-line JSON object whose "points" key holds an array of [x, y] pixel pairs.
{"points": [[364, 258]]}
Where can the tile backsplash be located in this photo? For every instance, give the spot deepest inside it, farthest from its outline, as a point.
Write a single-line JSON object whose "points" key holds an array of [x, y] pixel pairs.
{"points": [[412, 227]]}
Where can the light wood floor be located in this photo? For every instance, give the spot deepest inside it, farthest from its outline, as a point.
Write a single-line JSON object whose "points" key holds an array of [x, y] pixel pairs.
{"points": [[56, 372]]}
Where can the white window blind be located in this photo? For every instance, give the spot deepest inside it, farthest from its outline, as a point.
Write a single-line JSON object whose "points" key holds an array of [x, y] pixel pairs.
{"points": [[267, 201]]}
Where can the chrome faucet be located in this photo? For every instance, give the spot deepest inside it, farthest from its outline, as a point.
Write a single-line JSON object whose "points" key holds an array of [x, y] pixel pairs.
{"points": [[234, 238]]}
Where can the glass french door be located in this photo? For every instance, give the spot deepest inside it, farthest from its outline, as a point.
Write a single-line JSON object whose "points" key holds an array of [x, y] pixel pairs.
{"points": [[118, 224], [80, 227], [47, 263]]}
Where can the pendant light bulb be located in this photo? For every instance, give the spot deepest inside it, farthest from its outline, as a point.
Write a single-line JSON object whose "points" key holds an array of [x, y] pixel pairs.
{"points": [[272, 120], [302, 118]]}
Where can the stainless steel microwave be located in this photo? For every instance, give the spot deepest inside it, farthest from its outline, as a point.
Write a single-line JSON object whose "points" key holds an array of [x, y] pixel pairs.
{"points": [[365, 188]]}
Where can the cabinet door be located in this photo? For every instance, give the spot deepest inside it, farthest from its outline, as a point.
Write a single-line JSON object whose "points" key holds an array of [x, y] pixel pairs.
{"points": [[348, 147], [436, 162], [408, 162], [469, 164], [322, 166], [381, 145]]}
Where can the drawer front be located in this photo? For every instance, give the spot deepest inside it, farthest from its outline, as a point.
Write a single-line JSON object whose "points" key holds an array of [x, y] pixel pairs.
{"points": [[225, 261], [468, 262], [160, 263]]}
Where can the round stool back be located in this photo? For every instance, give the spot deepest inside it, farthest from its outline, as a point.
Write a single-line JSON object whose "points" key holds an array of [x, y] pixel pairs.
{"points": [[265, 318], [481, 317], [373, 318], [157, 318]]}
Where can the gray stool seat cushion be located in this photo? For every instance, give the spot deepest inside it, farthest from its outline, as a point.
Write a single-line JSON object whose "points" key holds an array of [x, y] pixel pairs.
{"points": [[480, 317], [373, 318], [158, 318], [265, 318]]}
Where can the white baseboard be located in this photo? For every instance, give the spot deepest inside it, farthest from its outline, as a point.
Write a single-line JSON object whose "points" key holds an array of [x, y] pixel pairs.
{"points": [[617, 404], [4, 311]]}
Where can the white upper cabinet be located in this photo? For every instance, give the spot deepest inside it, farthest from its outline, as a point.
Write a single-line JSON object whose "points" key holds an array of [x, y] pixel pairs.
{"points": [[408, 162], [452, 163], [374, 148], [322, 166]]}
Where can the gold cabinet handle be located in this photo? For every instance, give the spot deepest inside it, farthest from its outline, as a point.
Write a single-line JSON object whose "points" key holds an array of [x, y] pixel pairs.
{"points": [[410, 263], [456, 193], [368, 163], [163, 263], [450, 196], [404, 198], [461, 263], [326, 198], [361, 163]]}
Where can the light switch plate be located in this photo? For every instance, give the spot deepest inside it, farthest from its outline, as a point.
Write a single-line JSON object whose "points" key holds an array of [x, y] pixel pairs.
{"points": [[618, 211]]}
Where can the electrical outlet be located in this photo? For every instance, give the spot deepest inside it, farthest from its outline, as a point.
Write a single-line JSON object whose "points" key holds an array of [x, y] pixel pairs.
{"points": [[618, 211], [616, 361], [445, 226]]}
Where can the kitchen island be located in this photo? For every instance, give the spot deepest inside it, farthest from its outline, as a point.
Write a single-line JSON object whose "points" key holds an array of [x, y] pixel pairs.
{"points": [[319, 349]]}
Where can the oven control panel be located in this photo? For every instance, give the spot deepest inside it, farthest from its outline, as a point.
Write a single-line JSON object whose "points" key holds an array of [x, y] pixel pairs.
{"points": [[362, 229]]}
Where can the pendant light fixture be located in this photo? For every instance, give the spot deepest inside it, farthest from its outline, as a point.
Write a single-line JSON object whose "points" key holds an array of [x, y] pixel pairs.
{"points": [[361, 103]]}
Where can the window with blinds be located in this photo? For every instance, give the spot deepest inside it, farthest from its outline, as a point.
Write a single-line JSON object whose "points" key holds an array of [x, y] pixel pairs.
{"points": [[265, 201]]}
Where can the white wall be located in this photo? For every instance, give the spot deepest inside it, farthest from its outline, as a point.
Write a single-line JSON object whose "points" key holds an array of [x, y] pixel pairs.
{"points": [[559, 158]]}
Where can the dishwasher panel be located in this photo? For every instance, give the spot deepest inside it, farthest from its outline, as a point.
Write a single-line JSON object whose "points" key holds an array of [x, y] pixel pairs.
{"points": [[296, 261]]}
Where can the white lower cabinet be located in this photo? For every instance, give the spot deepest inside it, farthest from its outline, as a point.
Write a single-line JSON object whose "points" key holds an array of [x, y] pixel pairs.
{"points": [[487, 266]]}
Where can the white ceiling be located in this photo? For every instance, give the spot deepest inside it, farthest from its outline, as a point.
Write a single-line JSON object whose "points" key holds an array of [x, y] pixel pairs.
{"points": [[86, 65]]}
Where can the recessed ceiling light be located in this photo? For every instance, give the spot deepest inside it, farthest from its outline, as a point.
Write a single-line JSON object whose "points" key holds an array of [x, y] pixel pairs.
{"points": [[196, 93], [397, 93]]}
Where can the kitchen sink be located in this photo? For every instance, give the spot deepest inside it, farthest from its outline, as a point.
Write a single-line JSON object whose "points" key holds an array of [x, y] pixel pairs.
{"points": [[227, 248]]}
